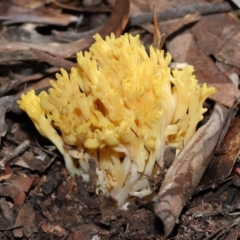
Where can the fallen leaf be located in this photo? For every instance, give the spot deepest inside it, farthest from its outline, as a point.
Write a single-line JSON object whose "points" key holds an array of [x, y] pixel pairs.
{"points": [[169, 27], [16, 187], [14, 14], [116, 23], [184, 174], [7, 215], [212, 31], [6, 174], [53, 228], [14, 153], [183, 48], [190, 18], [222, 164], [29, 4], [52, 181], [7, 85], [233, 235], [98, 9], [11, 57], [26, 218], [9, 103], [91, 2], [218, 34], [84, 232], [118, 19], [29, 161], [27, 32]]}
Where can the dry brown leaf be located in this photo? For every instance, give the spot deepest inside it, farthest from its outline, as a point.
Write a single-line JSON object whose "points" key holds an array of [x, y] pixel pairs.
{"points": [[11, 57], [26, 218], [140, 6], [30, 4], [116, 23], [234, 235], [171, 26], [218, 33], [190, 18], [183, 48], [85, 231], [111, 2], [55, 229], [6, 174], [118, 20], [91, 2], [8, 216], [16, 187], [222, 164], [9, 103], [7, 84], [22, 182], [98, 9], [183, 176], [14, 14], [7, 158], [31, 162]]}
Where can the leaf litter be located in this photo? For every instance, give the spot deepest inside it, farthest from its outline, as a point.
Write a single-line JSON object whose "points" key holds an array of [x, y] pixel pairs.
{"points": [[38, 199]]}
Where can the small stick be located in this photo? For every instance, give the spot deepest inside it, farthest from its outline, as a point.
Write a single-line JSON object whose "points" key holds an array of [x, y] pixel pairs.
{"points": [[181, 11], [17, 151], [53, 60]]}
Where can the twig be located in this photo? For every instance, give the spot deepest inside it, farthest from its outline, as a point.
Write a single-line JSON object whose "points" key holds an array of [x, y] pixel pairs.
{"points": [[54, 61], [223, 230], [181, 11], [17, 151], [51, 153]]}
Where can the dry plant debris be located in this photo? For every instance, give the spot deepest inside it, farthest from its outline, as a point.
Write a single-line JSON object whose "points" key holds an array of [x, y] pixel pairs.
{"points": [[38, 198]]}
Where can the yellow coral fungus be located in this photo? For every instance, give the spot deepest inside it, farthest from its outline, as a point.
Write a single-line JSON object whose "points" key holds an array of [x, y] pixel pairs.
{"points": [[121, 107]]}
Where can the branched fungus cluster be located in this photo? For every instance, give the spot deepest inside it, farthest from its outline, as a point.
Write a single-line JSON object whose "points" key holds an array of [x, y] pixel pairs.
{"points": [[120, 106]]}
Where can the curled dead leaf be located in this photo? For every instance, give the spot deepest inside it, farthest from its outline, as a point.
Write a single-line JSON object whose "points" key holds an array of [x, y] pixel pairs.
{"points": [[187, 170]]}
